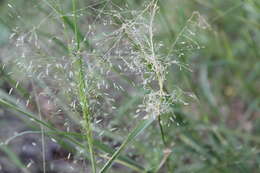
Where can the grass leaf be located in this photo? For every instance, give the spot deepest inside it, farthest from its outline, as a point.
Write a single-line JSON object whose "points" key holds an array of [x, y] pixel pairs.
{"points": [[137, 130]]}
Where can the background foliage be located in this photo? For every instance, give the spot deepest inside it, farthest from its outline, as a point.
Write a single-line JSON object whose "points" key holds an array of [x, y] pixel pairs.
{"points": [[216, 130]]}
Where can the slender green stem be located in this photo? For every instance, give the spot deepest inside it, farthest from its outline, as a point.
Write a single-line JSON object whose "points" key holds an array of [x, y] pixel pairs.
{"points": [[162, 131], [160, 76], [42, 128], [84, 102], [74, 4], [86, 113], [163, 136]]}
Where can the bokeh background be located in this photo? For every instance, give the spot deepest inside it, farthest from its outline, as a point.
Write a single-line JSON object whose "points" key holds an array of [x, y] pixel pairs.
{"points": [[219, 129]]}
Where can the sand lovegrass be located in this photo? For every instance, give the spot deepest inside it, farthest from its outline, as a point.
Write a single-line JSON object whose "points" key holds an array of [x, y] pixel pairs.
{"points": [[83, 75], [97, 86]]}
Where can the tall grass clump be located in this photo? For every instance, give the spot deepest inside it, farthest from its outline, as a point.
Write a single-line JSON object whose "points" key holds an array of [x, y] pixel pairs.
{"points": [[84, 60]]}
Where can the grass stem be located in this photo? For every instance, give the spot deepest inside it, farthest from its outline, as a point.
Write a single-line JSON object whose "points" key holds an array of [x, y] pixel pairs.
{"points": [[82, 88]]}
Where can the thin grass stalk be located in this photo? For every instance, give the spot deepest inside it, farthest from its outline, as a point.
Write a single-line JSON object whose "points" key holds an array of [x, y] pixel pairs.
{"points": [[41, 127], [84, 102], [160, 76]]}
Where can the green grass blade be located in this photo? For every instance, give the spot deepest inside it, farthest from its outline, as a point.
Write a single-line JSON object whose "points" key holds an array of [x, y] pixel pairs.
{"points": [[121, 159], [69, 22], [14, 158], [27, 114], [137, 130], [79, 33]]}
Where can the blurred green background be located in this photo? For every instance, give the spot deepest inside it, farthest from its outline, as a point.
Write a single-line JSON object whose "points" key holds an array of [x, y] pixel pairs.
{"points": [[220, 130]]}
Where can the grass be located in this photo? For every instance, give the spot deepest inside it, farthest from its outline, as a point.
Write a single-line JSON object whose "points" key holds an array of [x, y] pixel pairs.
{"points": [[104, 71], [82, 89]]}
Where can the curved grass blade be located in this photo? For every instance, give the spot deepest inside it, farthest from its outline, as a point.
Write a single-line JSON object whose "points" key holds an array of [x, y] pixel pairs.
{"points": [[70, 23], [29, 115], [13, 157], [70, 136], [137, 130]]}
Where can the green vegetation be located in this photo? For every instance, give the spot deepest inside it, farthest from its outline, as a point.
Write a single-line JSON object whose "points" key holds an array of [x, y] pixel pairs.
{"points": [[130, 86]]}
